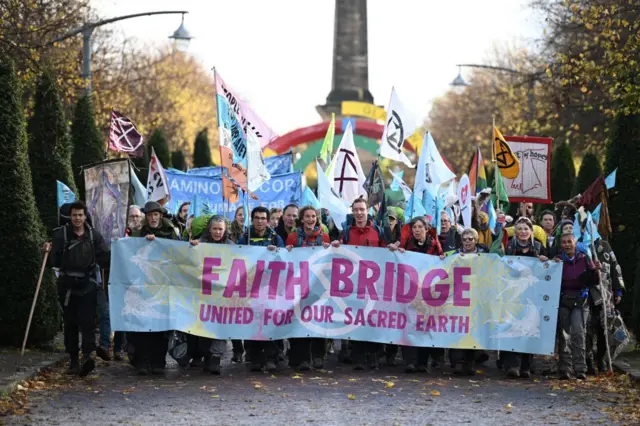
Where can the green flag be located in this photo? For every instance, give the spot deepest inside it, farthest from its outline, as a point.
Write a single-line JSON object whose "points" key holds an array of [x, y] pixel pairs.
{"points": [[327, 145], [502, 191]]}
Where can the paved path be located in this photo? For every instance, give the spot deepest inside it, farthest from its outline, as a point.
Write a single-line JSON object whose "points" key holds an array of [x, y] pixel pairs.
{"points": [[115, 395]]}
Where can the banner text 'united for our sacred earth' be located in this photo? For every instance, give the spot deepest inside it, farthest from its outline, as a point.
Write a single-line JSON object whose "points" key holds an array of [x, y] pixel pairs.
{"points": [[359, 293]]}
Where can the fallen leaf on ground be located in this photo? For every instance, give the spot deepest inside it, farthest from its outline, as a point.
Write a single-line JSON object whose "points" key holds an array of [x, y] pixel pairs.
{"points": [[389, 385], [296, 376], [509, 406], [435, 393], [351, 396]]}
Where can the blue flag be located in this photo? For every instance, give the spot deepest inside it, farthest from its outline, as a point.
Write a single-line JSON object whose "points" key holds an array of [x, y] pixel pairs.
{"points": [[65, 194], [309, 198], [139, 191], [610, 180]]}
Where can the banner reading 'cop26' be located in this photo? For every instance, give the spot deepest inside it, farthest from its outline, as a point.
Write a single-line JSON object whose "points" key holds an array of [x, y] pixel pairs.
{"points": [[360, 293]]}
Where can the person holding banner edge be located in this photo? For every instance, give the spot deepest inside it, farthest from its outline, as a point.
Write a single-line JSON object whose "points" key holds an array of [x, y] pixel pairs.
{"points": [[213, 349], [361, 230], [310, 234], [148, 350], [262, 354]]}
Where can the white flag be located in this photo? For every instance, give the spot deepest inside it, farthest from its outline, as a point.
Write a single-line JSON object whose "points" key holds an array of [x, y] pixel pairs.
{"points": [[432, 170], [399, 126], [157, 183], [330, 200], [397, 180], [257, 173], [348, 177], [464, 195]]}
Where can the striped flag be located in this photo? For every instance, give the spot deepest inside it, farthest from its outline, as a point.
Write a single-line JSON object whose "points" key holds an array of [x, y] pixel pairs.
{"points": [[477, 173]]}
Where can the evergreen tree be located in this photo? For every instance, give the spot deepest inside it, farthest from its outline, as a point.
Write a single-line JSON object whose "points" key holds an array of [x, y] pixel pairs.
{"points": [[158, 142], [49, 149], [563, 173], [22, 237], [88, 144], [590, 170], [202, 150], [623, 153], [178, 160]]}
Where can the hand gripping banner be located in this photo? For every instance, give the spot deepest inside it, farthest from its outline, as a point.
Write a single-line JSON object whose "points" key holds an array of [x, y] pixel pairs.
{"points": [[360, 293]]}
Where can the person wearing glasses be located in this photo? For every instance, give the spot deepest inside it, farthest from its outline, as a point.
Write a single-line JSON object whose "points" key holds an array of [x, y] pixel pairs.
{"points": [[262, 354], [465, 358]]}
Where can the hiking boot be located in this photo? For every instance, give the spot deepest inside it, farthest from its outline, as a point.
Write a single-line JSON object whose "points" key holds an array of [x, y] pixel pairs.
{"points": [[213, 365], [304, 366], [270, 366], [157, 370], [421, 368], [564, 375], [602, 367], [88, 364], [482, 358], [410, 368], [118, 356], [197, 362], [74, 366], [513, 372], [256, 368], [103, 353], [391, 361], [318, 363], [581, 376], [525, 374], [237, 358]]}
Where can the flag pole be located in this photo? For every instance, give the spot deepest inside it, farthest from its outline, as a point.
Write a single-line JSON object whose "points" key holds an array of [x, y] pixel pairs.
{"points": [[495, 162]]}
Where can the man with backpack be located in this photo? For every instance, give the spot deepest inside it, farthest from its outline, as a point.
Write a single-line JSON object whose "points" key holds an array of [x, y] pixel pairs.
{"points": [[361, 230], [261, 353], [76, 249]]}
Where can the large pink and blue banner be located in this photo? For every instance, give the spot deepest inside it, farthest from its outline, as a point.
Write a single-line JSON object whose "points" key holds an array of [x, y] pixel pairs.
{"points": [[361, 293]]}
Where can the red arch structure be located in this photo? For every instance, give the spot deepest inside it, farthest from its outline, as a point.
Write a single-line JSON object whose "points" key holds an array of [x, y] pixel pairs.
{"points": [[296, 137]]}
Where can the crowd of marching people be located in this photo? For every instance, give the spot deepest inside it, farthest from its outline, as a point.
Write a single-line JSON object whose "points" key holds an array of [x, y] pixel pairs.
{"points": [[81, 258]]}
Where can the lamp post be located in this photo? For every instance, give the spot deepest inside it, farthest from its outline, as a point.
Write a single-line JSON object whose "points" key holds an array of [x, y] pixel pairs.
{"points": [[181, 38], [459, 82]]}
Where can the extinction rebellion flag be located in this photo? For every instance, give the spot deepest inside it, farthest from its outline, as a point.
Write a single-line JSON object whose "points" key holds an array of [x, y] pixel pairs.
{"points": [[124, 136]]}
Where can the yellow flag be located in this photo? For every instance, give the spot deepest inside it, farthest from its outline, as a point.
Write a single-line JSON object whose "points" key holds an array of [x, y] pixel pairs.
{"points": [[327, 145], [507, 161]]}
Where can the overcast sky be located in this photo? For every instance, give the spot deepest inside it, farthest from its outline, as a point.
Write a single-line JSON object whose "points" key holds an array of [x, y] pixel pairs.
{"points": [[278, 53]]}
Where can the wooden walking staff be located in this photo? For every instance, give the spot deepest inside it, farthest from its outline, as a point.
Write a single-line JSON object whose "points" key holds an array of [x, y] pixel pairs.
{"points": [[604, 293], [33, 304]]}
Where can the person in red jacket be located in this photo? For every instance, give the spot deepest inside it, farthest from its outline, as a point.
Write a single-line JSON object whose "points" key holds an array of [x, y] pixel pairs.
{"points": [[362, 232], [310, 234], [423, 239]]}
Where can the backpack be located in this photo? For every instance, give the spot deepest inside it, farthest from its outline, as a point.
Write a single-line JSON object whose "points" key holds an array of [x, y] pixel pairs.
{"points": [[271, 233], [301, 238], [75, 252], [349, 225]]}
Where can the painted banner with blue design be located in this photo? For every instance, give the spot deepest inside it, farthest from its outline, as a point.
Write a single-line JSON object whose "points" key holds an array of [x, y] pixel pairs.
{"points": [[276, 165], [361, 293], [205, 193]]}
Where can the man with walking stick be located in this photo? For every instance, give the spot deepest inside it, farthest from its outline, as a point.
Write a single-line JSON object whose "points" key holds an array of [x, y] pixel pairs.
{"points": [[76, 249]]}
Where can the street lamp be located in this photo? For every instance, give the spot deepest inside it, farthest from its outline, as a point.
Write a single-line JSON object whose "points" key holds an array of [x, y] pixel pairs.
{"points": [[459, 83], [181, 38]]}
